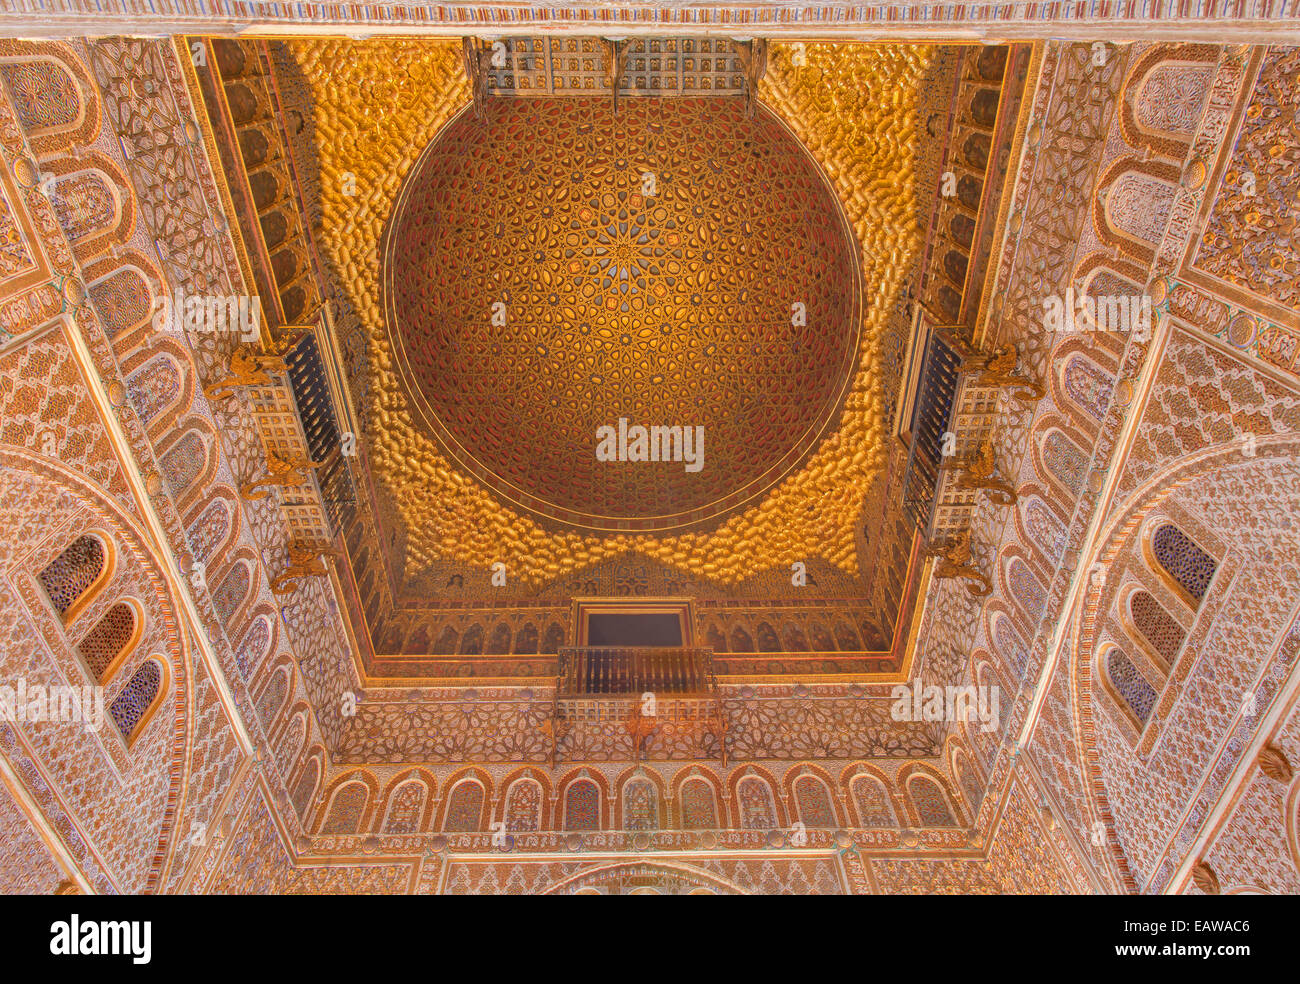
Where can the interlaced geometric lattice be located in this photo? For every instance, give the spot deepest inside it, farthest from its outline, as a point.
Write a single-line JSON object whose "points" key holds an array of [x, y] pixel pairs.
{"points": [[465, 811], [815, 808], [582, 806], [931, 805], [698, 811], [1064, 460], [1183, 560], [346, 810], [1156, 625], [1131, 686], [136, 697], [106, 641], [71, 573], [649, 263]]}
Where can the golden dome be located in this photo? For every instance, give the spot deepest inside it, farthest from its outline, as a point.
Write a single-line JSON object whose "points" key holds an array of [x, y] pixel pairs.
{"points": [[673, 265]]}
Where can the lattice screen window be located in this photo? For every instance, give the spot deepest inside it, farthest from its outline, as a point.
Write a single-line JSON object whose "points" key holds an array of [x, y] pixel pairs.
{"points": [[465, 809], [108, 639], [1190, 566], [72, 573], [931, 805], [652, 67], [1129, 685], [136, 698], [1160, 629], [582, 806]]}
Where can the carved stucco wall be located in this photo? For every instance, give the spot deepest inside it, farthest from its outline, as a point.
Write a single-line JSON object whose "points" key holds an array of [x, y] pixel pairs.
{"points": [[256, 841]]}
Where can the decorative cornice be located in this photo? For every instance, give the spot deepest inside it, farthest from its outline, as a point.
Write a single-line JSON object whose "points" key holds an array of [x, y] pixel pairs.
{"points": [[1225, 20]]}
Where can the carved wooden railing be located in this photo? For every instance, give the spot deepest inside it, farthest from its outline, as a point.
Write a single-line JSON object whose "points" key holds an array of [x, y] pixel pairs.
{"points": [[952, 456], [934, 403], [650, 695], [631, 671]]}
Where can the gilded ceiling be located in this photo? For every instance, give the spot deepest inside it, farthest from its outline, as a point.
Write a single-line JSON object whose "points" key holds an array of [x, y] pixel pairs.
{"points": [[671, 264], [378, 105]]}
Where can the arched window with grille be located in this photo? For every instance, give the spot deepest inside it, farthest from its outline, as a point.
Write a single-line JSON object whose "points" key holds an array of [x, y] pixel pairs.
{"points": [[582, 806], [872, 802], [405, 808], [1065, 461], [301, 797], [814, 802], [273, 697], [45, 94], [1135, 696], [347, 809], [134, 705], [465, 807], [699, 811], [113, 636], [1087, 385], [1186, 564], [931, 805], [71, 579], [1156, 627]]}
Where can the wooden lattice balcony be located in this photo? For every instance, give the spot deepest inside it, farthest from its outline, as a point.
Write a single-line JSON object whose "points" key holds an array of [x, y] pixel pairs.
{"points": [[641, 693], [628, 671]]}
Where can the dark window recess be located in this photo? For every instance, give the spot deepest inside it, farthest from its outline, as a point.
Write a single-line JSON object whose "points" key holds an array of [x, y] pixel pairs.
{"points": [[934, 403], [311, 392], [640, 629]]}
